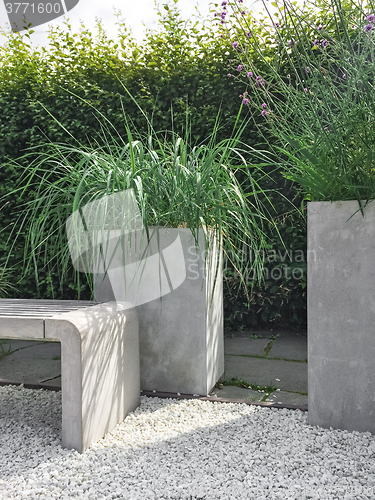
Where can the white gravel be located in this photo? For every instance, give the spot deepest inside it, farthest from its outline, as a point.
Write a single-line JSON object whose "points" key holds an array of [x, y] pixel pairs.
{"points": [[187, 449]]}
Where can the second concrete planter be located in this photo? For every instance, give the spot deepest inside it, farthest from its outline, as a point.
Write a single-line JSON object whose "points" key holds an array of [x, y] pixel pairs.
{"points": [[341, 316]]}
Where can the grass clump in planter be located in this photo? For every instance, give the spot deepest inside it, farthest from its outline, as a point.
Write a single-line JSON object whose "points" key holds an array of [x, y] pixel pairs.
{"points": [[175, 185], [315, 93]]}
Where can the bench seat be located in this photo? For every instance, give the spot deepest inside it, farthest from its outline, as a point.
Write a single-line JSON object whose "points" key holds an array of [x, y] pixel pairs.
{"points": [[100, 365]]}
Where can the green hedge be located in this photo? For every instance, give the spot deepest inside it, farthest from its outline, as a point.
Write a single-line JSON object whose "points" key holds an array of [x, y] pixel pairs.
{"points": [[179, 71]]}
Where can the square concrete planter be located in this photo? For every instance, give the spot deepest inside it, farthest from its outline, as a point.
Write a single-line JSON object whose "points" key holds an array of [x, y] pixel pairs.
{"points": [[180, 312], [341, 316]]}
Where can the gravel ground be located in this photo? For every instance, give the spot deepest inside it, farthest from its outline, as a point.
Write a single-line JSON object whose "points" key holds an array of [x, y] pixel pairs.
{"points": [[187, 449]]}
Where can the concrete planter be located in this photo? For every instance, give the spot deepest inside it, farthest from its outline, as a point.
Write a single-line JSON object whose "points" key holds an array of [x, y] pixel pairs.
{"points": [[180, 312], [341, 316]]}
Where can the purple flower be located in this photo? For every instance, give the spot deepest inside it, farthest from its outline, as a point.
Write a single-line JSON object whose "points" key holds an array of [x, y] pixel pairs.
{"points": [[260, 81], [229, 74], [344, 76], [305, 90], [325, 128], [316, 43], [235, 44], [224, 2], [264, 112], [264, 105], [319, 28], [369, 27], [324, 43], [291, 43], [250, 73], [221, 36], [248, 34], [215, 14], [240, 95], [288, 76], [308, 69], [370, 18], [277, 25], [245, 101], [243, 12], [222, 15], [240, 67]]}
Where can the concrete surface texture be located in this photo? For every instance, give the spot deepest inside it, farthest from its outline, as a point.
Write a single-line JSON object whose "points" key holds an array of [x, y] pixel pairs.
{"points": [[99, 370], [341, 315], [181, 333]]}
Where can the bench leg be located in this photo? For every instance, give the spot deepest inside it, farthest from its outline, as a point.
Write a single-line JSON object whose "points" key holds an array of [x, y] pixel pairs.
{"points": [[99, 369]]}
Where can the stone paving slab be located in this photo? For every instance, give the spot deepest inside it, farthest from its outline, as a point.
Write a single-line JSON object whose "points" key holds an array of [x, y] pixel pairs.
{"points": [[32, 371], [285, 375], [34, 363], [55, 382], [234, 392], [46, 350], [290, 398], [288, 348], [266, 334], [249, 395], [247, 346], [10, 345]]}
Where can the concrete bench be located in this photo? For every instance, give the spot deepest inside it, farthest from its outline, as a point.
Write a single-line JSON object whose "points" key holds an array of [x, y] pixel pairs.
{"points": [[100, 365]]}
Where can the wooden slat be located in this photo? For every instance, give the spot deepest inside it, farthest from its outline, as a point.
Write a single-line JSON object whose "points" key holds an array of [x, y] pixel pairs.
{"points": [[24, 318], [36, 310], [15, 310], [47, 301], [41, 308], [29, 314]]}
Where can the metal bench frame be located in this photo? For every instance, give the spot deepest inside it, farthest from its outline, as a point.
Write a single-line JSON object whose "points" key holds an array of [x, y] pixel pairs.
{"points": [[100, 365]]}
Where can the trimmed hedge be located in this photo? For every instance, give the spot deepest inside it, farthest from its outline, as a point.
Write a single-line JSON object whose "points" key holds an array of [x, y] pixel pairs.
{"points": [[177, 72]]}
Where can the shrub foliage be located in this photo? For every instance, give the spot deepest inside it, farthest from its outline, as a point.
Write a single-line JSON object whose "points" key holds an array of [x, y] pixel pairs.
{"points": [[177, 72]]}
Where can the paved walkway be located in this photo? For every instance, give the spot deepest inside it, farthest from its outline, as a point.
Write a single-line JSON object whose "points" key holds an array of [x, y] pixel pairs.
{"points": [[276, 363], [259, 366]]}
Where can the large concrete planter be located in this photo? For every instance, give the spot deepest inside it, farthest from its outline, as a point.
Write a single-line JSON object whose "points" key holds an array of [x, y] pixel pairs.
{"points": [[180, 314], [341, 316]]}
